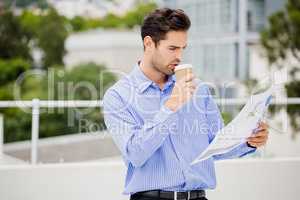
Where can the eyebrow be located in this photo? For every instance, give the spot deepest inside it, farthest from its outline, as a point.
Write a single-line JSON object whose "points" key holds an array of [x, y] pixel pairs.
{"points": [[178, 46]]}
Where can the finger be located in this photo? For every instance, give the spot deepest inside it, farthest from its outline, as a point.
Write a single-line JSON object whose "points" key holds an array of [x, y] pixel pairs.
{"points": [[189, 77], [190, 85], [258, 139], [259, 129], [259, 136], [257, 142], [263, 125], [191, 91], [262, 133]]}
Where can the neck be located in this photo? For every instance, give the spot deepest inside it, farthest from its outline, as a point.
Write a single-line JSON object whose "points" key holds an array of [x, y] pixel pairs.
{"points": [[152, 73]]}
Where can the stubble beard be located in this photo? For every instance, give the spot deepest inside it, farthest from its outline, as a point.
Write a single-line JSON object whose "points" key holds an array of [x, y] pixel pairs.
{"points": [[162, 69]]}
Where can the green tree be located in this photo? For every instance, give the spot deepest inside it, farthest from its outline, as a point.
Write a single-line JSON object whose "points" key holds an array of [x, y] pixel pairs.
{"points": [[132, 18], [11, 69], [281, 41], [78, 24], [67, 85], [111, 21], [13, 38], [51, 34], [48, 33], [30, 23], [135, 17]]}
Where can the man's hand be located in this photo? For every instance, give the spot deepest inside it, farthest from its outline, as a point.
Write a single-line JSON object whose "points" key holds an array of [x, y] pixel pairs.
{"points": [[260, 137], [181, 93]]}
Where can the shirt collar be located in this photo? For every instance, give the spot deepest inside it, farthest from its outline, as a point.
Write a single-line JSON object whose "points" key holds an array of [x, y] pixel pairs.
{"points": [[143, 82]]}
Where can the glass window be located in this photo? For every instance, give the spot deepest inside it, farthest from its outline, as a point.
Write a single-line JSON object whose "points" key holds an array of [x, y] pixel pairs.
{"points": [[211, 15], [255, 15], [213, 61], [225, 14]]}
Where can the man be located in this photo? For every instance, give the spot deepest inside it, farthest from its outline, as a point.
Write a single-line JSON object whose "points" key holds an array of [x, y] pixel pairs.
{"points": [[152, 118]]}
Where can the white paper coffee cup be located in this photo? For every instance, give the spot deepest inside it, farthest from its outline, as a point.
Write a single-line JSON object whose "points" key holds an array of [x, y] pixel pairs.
{"points": [[183, 70]]}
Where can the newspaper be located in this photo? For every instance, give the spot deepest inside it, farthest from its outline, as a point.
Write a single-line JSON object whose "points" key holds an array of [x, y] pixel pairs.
{"points": [[240, 128]]}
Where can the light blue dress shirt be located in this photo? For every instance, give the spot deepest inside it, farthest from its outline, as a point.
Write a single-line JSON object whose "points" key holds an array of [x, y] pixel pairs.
{"points": [[157, 144]]}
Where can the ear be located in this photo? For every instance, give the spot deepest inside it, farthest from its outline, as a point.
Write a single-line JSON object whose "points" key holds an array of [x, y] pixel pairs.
{"points": [[148, 43]]}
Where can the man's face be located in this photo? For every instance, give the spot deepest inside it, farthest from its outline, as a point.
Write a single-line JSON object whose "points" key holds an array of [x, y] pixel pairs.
{"points": [[168, 52]]}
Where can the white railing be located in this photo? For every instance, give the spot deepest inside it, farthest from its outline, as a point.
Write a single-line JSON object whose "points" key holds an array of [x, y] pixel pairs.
{"points": [[36, 104], [1, 134]]}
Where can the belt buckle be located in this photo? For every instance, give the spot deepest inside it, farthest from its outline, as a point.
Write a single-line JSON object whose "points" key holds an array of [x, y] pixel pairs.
{"points": [[188, 195], [175, 195]]}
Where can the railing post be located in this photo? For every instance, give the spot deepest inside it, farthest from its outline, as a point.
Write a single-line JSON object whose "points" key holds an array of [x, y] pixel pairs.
{"points": [[35, 130], [1, 134]]}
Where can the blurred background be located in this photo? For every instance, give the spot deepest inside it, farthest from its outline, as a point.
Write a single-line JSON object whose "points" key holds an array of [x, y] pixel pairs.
{"points": [[58, 57]]}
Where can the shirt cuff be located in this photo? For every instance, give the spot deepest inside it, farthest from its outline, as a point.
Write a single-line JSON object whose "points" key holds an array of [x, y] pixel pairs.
{"points": [[247, 148], [249, 145]]}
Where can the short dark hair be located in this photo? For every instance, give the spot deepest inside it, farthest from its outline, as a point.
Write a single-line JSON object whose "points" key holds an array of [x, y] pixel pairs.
{"points": [[159, 22]]}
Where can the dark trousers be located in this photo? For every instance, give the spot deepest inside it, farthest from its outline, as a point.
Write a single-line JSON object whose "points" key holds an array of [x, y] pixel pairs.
{"points": [[133, 197]]}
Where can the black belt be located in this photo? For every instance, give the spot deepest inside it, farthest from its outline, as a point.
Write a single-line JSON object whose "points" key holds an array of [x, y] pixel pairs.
{"points": [[193, 194]]}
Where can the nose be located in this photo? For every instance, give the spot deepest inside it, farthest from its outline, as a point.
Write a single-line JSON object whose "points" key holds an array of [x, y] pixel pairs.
{"points": [[178, 55]]}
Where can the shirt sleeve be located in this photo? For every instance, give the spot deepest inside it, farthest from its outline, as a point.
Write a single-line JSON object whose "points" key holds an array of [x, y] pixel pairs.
{"points": [[216, 123], [239, 151], [137, 143]]}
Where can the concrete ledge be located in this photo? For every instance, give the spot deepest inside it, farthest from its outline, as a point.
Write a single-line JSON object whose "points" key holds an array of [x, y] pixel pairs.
{"points": [[242, 179]]}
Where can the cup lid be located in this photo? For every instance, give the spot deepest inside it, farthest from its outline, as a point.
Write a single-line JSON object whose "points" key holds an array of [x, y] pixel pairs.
{"points": [[183, 66]]}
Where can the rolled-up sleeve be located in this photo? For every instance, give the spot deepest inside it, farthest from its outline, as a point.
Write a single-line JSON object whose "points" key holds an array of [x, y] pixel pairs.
{"points": [[136, 142]]}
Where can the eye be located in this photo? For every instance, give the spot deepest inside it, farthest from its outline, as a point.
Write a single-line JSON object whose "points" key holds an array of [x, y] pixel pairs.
{"points": [[172, 48]]}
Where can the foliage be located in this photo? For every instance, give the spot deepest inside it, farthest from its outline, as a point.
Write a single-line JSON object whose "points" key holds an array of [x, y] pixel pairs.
{"points": [[13, 38], [30, 23], [47, 32], [281, 42], [129, 20], [51, 37], [38, 29], [227, 117], [136, 16], [67, 85], [78, 24], [11, 69]]}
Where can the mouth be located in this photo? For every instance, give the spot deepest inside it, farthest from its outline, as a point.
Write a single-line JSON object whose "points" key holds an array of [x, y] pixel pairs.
{"points": [[173, 66]]}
